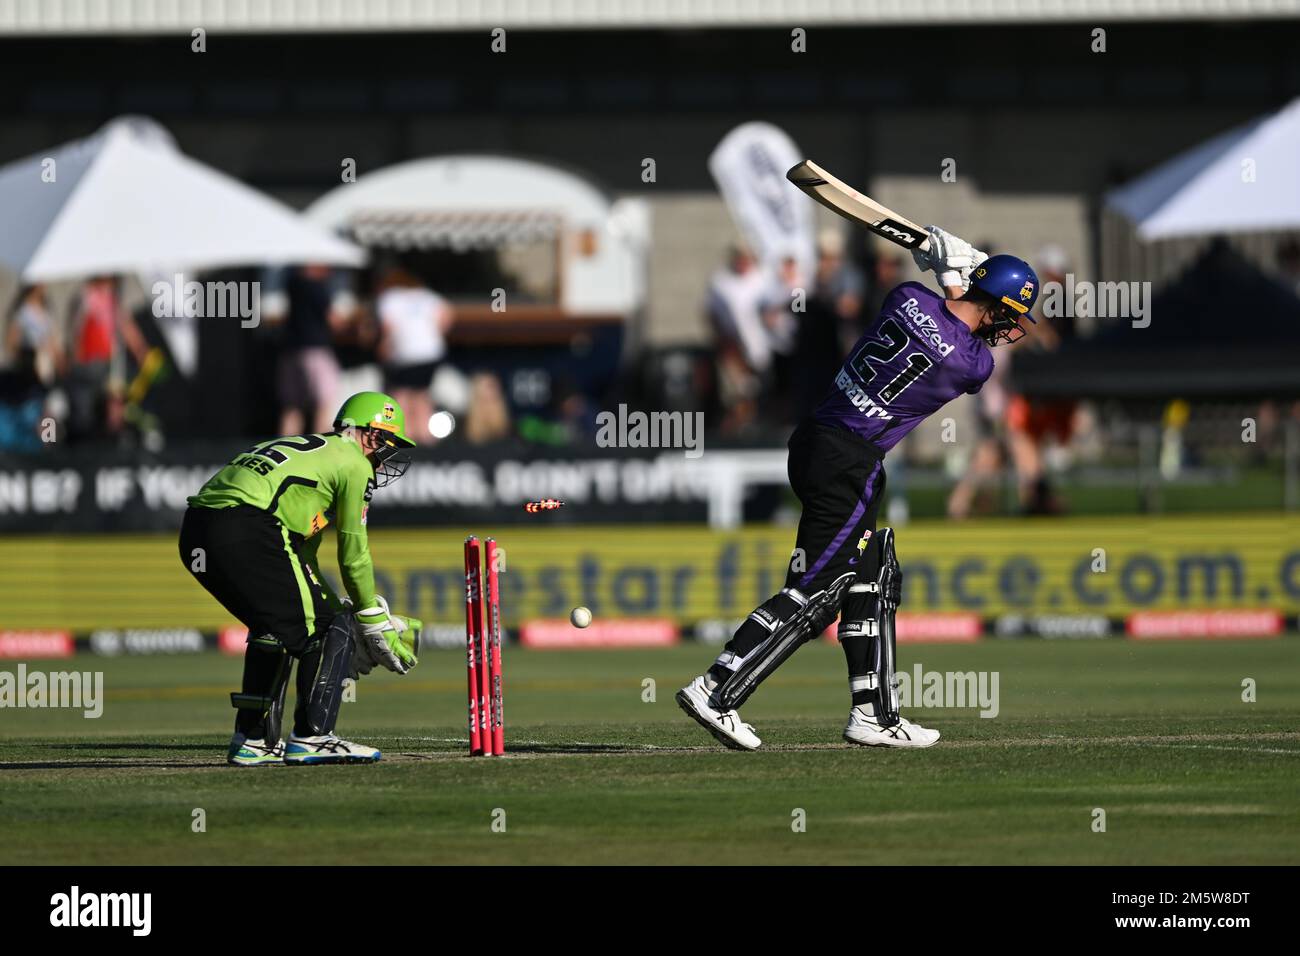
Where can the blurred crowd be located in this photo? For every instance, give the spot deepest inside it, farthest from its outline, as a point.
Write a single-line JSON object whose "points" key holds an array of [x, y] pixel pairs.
{"points": [[69, 380], [93, 372], [332, 344], [89, 369], [779, 339]]}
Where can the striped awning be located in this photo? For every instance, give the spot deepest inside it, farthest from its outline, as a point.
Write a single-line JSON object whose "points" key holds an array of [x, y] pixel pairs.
{"points": [[460, 230]]}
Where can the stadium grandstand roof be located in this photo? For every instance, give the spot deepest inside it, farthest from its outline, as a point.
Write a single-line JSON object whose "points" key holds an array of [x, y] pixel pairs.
{"points": [[103, 17]]}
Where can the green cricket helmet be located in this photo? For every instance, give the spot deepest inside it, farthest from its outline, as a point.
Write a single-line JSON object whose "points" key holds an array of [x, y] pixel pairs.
{"points": [[384, 417]]}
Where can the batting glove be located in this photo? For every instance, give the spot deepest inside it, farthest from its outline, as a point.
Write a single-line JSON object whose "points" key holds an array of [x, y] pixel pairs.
{"points": [[950, 257]]}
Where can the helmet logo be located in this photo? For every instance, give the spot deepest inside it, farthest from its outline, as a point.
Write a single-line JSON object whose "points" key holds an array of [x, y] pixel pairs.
{"points": [[981, 272], [1027, 290], [389, 412]]}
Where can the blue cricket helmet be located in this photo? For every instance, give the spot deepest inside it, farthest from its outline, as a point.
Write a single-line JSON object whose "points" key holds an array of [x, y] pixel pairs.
{"points": [[1013, 285]]}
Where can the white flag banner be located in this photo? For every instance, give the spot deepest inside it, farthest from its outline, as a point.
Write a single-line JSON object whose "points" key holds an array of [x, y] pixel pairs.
{"points": [[774, 217]]}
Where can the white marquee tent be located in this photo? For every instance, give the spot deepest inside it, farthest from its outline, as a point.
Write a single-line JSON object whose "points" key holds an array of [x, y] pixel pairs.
{"points": [[1244, 180], [484, 201], [125, 200]]}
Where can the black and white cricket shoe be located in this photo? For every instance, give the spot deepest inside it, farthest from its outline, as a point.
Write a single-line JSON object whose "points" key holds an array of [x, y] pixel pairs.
{"points": [[725, 725], [863, 729]]}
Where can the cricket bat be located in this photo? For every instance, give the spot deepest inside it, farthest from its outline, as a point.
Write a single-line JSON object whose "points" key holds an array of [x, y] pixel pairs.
{"points": [[843, 199]]}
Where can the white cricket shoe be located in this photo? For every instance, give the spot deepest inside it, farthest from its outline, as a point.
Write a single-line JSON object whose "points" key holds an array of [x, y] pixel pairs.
{"points": [[328, 749], [864, 729], [254, 753], [725, 725]]}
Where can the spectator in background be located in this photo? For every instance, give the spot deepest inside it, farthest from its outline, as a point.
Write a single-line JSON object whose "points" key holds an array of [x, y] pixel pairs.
{"points": [[97, 379], [37, 363], [32, 341], [737, 297], [989, 425], [413, 324], [782, 323], [1030, 422], [834, 304], [487, 419], [307, 378]]}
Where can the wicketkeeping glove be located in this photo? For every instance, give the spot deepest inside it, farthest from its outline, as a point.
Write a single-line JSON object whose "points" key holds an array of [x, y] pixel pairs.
{"points": [[410, 635], [386, 639]]}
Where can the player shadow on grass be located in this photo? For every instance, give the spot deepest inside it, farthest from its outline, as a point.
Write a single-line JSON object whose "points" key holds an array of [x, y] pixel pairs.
{"points": [[126, 763], [128, 745], [577, 748], [109, 760]]}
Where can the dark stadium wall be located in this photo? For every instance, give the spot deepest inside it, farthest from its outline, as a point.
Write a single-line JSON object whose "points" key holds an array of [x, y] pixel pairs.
{"points": [[280, 111]]}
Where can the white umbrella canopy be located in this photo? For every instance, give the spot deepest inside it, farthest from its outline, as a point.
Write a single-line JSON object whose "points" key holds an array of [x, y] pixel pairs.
{"points": [[126, 200], [1245, 180]]}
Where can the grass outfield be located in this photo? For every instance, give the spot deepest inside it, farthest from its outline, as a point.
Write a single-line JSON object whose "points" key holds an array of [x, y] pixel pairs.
{"points": [[1155, 734]]}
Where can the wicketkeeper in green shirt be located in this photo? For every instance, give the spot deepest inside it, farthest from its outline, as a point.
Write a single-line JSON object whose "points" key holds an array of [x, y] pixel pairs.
{"points": [[251, 537]]}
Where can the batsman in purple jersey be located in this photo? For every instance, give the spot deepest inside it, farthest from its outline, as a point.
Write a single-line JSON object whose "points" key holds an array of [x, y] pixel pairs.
{"points": [[922, 351], [915, 358]]}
